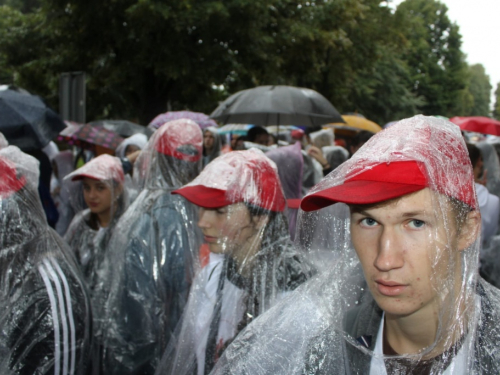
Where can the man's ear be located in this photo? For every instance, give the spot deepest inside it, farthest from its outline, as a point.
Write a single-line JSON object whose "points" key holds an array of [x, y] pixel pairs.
{"points": [[470, 231]]}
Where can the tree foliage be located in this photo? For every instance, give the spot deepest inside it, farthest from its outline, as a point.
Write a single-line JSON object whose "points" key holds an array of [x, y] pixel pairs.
{"points": [[496, 108], [437, 65], [479, 87], [143, 57]]}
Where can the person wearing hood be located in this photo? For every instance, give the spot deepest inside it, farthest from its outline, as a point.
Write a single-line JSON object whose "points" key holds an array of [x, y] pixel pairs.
{"points": [[62, 165], [252, 263], [403, 294], [489, 204], [128, 151], [152, 256], [45, 311], [290, 163], [212, 144], [91, 229]]}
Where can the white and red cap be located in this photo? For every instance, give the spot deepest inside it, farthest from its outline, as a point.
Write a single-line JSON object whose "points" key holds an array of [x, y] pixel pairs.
{"points": [[103, 168], [239, 176], [181, 139], [413, 154], [10, 182]]}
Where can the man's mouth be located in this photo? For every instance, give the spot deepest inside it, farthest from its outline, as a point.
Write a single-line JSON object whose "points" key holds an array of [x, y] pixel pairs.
{"points": [[390, 288]]}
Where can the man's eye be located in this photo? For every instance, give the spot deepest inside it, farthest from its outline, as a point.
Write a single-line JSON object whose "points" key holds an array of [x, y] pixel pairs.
{"points": [[416, 224], [368, 222]]}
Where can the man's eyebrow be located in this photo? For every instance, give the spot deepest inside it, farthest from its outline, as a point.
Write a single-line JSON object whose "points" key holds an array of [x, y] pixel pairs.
{"points": [[414, 213], [360, 211]]}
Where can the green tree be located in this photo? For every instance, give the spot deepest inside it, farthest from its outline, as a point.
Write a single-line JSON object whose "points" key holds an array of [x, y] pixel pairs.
{"points": [[496, 108], [479, 87], [143, 57], [436, 62]]}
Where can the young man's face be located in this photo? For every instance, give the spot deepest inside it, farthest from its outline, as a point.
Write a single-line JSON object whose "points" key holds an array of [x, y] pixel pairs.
{"points": [[408, 250]]}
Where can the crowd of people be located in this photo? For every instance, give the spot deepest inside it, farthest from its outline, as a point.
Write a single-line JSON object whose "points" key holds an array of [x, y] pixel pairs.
{"points": [[291, 252]]}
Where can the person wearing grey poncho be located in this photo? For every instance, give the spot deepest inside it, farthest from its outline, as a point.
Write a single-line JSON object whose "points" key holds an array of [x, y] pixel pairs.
{"points": [[45, 313], [252, 263], [89, 233], [153, 255], [400, 293]]}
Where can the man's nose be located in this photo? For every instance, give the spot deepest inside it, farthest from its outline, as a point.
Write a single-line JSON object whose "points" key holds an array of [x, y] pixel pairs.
{"points": [[390, 250]]}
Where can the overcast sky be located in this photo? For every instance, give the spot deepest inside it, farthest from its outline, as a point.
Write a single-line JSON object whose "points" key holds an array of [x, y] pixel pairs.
{"points": [[479, 22]]}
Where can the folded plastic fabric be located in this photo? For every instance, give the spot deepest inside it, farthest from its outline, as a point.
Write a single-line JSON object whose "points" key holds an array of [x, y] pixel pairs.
{"points": [[252, 263], [45, 313], [152, 255], [403, 253]]}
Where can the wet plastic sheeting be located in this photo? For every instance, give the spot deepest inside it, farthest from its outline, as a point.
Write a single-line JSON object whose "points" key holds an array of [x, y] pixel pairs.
{"points": [[251, 263], [45, 312], [85, 237], [152, 256], [332, 324]]}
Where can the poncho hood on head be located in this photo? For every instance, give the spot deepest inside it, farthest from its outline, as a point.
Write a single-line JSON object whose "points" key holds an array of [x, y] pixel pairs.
{"points": [[239, 176], [335, 323]]}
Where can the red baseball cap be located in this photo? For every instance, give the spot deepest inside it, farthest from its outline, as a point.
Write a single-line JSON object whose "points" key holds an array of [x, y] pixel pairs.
{"points": [[181, 139], [239, 176], [9, 181], [414, 154], [380, 183]]}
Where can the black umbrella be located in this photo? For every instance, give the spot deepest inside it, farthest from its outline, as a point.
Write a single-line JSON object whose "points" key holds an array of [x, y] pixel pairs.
{"points": [[277, 105], [26, 121], [122, 127]]}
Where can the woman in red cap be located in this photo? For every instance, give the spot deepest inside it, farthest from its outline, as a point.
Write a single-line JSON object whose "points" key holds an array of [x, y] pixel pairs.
{"points": [[88, 235], [45, 313], [252, 263]]}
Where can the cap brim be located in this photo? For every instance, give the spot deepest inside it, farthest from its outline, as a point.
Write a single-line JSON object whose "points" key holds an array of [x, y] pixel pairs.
{"points": [[204, 196], [83, 175], [358, 192]]}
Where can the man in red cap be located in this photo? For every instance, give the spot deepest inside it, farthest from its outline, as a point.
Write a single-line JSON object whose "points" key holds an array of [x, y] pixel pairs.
{"points": [[413, 217], [402, 294]]}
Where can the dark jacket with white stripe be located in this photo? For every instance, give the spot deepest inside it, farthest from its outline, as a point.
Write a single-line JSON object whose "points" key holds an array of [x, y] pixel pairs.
{"points": [[45, 313]]}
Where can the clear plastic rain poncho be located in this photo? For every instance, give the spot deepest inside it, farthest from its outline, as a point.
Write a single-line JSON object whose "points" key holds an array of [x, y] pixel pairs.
{"points": [[290, 163], [62, 165], [3, 141], [216, 142], [251, 265], [335, 155], [419, 269], [492, 166], [131, 144], [322, 138], [153, 255], [45, 314], [102, 186]]}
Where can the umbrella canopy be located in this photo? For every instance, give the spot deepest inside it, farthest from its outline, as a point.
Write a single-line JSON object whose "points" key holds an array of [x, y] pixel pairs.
{"points": [[239, 129], [357, 123], [26, 121], [88, 136], [122, 127], [478, 124], [201, 119], [277, 105]]}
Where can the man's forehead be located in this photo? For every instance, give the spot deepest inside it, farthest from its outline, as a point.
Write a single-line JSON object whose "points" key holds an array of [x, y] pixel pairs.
{"points": [[424, 201]]}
